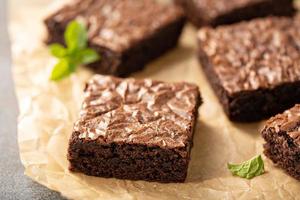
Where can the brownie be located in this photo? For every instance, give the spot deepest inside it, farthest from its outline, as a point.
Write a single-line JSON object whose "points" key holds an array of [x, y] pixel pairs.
{"points": [[135, 129], [127, 34], [218, 12], [254, 67], [282, 136]]}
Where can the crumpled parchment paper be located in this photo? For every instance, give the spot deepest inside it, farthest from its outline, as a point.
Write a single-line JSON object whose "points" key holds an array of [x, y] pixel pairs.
{"points": [[48, 109]]}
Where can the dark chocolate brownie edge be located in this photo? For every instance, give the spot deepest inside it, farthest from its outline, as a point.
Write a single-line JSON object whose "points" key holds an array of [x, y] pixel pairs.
{"points": [[191, 12], [109, 63], [128, 161], [257, 10], [152, 47], [250, 106], [264, 103], [281, 149], [55, 31], [261, 9]]}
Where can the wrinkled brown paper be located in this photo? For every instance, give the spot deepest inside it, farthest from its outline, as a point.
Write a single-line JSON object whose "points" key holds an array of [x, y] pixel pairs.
{"points": [[47, 111]]}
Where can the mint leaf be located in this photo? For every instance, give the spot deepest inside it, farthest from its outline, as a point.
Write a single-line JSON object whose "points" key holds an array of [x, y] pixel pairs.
{"points": [[58, 50], [62, 69], [75, 36], [74, 54], [248, 169], [89, 56]]}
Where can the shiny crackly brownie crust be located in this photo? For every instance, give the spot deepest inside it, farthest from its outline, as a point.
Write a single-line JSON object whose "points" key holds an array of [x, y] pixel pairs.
{"points": [[254, 67], [135, 129], [282, 136], [220, 12], [128, 34]]}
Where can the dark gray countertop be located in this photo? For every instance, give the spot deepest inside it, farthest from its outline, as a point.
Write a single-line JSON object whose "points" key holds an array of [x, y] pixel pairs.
{"points": [[13, 183]]}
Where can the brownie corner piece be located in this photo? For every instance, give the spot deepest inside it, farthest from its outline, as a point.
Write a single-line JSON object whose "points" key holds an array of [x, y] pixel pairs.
{"points": [[253, 66], [127, 34], [135, 129], [282, 137], [220, 12]]}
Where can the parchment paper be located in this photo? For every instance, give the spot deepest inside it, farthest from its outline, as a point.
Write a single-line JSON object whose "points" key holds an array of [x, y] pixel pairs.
{"points": [[47, 111]]}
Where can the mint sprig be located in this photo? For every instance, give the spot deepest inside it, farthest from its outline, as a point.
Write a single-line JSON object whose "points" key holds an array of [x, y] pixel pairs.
{"points": [[75, 53], [248, 169]]}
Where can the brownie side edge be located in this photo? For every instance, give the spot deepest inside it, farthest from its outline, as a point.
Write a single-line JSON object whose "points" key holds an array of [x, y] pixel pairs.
{"points": [[152, 47], [255, 10], [264, 103], [191, 12], [55, 31], [281, 149], [128, 161]]}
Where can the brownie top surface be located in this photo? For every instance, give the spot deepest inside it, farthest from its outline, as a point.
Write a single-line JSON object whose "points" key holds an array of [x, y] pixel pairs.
{"points": [[260, 54], [211, 9], [146, 112], [116, 24], [288, 122]]}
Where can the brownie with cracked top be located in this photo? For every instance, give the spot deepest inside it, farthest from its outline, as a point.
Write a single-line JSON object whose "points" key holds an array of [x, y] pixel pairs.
{"points": [[220, 12], [282, 136], [127, 34], [254, 67], [135, 129]]}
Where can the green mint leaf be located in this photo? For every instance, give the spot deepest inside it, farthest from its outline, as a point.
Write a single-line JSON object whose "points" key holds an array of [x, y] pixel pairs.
{"points": [[74, 54], [75, 36], [89, 56], [248, 169], [58, 50], [62, 69]]}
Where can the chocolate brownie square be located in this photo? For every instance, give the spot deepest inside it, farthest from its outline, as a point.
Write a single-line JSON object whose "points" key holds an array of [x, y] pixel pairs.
{"points": [[254, 67], [135, 129], [282, 136], [220, 12], [127, 34]]}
